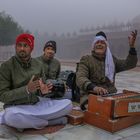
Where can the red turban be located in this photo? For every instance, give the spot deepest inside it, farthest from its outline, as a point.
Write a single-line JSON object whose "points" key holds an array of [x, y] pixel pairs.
{"points": [[27, 38]]}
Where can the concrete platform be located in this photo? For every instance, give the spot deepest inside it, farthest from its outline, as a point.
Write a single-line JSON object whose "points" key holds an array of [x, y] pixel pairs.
{"points": [[126, 80]]}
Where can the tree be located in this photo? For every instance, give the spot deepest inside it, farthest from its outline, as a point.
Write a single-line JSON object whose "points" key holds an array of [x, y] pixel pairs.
{"points": [[9, 29]]}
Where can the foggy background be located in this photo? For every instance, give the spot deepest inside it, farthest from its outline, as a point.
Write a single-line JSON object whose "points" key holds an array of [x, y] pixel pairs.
{"points": [[73, 23], [63, 16]]}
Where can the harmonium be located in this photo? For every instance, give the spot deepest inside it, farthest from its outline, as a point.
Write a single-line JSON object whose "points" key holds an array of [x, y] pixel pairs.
{"points": [[113, 112]]}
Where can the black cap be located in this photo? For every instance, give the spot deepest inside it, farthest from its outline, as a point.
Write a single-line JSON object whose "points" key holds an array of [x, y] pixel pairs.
{"points": [[52, 44], [101, 33]]}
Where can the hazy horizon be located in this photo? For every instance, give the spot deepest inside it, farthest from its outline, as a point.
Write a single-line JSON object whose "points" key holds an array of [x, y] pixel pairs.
{"points": [[64, 16]]}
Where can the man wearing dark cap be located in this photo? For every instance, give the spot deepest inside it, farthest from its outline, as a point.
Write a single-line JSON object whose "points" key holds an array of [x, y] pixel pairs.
{"points": [[22, 88], [51, 65], [96, 72]]}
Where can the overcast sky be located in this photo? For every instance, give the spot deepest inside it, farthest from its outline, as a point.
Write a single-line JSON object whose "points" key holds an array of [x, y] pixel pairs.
{"points": [[69, 15]]}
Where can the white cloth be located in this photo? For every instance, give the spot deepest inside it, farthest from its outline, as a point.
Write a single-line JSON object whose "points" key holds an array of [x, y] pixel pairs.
{"points": [[109, 63], [35, 116]]}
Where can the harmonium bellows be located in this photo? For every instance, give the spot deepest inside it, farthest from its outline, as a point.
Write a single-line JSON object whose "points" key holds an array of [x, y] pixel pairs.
{"points": [[113, 112]]}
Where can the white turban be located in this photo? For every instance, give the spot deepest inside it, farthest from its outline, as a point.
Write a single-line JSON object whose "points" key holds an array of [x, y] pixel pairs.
{"points": [[109, 63]]}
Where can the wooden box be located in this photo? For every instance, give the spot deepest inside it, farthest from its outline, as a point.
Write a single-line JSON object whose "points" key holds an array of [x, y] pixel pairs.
{"points": [[123, 104], [75, 117], [111, 125]]}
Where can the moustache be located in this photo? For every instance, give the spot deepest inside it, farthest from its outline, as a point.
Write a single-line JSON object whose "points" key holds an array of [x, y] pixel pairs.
{"points": [[22, 52]]}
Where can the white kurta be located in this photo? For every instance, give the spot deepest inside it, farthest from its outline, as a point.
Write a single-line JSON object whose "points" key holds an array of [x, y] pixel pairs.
{"points": [[37, 115]]}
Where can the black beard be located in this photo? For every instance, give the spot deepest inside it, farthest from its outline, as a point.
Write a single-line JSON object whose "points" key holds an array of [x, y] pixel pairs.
{"points": [[22, 54]]}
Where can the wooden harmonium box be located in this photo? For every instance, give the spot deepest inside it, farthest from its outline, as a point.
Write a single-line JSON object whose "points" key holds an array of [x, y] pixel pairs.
{"points": [[115, 105], [113, 112]]}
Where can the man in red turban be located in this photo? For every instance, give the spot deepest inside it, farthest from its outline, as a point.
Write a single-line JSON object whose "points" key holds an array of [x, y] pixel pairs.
{"points": [[24, 47], [21, 90], [27, 38]]}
